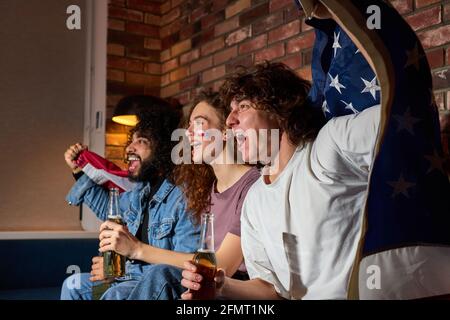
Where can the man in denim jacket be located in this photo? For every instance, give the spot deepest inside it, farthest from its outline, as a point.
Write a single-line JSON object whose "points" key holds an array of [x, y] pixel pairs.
{"points": [[154, 210]]}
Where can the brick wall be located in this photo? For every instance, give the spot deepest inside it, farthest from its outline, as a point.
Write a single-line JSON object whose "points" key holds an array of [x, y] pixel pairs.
{"points": [[198, 42]]}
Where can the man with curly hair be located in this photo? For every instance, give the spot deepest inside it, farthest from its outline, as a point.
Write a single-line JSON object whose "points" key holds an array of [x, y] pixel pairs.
{"points": [[154, 210]]}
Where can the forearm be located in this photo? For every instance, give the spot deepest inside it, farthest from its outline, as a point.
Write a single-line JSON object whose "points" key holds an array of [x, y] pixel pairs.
{"points": [[155, 255], [255, 289]]}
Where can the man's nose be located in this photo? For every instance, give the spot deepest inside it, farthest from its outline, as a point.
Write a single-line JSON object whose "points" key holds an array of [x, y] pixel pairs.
{"points": [[232, 119], [130, 148]]}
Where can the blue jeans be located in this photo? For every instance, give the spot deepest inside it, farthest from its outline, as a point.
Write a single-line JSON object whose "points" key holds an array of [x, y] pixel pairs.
{"points": [[119, 290], [160, 282]]}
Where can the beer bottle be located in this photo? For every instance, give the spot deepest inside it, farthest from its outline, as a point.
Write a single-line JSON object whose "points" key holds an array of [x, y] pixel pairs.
{"points": [[205, 260], [114, 263]]}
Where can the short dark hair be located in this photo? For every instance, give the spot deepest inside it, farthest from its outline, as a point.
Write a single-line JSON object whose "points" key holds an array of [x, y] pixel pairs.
{"points": [[157, 120], [275, 88]]}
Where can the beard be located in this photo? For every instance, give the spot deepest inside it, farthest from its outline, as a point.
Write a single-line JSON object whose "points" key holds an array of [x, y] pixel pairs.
{"points": [[147, 171]]}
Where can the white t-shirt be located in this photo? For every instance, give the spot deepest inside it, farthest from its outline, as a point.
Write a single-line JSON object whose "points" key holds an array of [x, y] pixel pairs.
{"points": [[301, 232]]}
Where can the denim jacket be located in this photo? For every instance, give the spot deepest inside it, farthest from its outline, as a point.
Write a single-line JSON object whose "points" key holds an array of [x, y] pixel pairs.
{"points": [[170, 225]]}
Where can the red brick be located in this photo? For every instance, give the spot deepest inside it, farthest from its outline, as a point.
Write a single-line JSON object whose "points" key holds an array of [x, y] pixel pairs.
{"points": [[145, 5], [302, 42], [270, 53], [143, 79], [116, 139], [307, 57], [118, 3], [238, 36], [165, 7], [294, 62], [213, 74], [212, 46], [254, 44], [114, 24], [448, 103], [268, 23], [125, 64], [116, 75], [165, 79], [190, 56], [219, 4], [254, 14], [426, 18], [278, 4], [116, 49], [203, 38], [226, 26], [447, 12], [170, 29], [201, 65], [176, 3], [153, 68], [284, 32], [305, 73], [190, 82], [424, 3], [125, 14], [245, 61], [181, 47], [212, 19], [197, 13], [142, 29], [170, 91], [169, 41], [218, 84], [183, 98], [237, 7], [435, 37], [179, 74], [165, 55], [143, 54], [152, 44], [170, 17], [125, 39], [169, 65], [152, 19], [292, 13], [225, 55], [403, 6], [436, 58]]}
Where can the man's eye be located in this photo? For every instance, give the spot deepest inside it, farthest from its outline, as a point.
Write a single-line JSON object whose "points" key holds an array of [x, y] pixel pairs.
{"points": [[243, 107]]}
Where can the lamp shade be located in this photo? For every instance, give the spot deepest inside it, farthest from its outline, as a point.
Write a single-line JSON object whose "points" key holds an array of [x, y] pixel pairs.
{"points": [[127, 109]]}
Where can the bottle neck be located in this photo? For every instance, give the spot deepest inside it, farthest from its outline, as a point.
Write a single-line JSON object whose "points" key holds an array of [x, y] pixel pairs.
{"points": [[113, 206], [207, 233]]}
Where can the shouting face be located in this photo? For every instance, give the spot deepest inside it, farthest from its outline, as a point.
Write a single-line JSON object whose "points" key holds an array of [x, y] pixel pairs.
{"points": [[138, 156]]}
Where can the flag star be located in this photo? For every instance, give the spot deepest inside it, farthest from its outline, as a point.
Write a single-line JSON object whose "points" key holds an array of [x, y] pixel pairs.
{"points": [[436, 162], [371, 87], [406, 122], [401, 186], [350, 107], [336, 44], [335, 83], [325, 107], [413, 57], [357, 51]]}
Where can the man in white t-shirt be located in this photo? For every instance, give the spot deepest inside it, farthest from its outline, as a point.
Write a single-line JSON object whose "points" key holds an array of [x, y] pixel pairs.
{"points": [[301, 222]]}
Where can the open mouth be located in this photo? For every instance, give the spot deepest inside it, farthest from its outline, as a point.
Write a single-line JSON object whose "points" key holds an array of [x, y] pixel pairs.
{"points": [[133, 162]]}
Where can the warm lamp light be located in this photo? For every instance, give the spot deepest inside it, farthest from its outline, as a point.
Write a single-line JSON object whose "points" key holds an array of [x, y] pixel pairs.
{"points": [[128, 107]]}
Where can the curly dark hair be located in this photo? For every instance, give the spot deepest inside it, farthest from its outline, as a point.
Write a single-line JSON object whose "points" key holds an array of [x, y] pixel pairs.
{"points": [[157, 119], [197, 180], [275, 88]]}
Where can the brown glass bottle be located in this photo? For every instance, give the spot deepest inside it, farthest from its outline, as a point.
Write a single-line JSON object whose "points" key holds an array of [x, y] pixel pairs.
{"points": [[114, 263], [205, 260]]}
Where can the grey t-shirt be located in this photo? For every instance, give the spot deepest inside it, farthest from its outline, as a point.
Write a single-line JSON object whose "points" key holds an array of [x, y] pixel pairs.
{"points": [[227, 206]]}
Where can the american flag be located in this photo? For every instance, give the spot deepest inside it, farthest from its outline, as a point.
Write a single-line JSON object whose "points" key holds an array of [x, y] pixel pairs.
{"points": [[406, 231]]}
